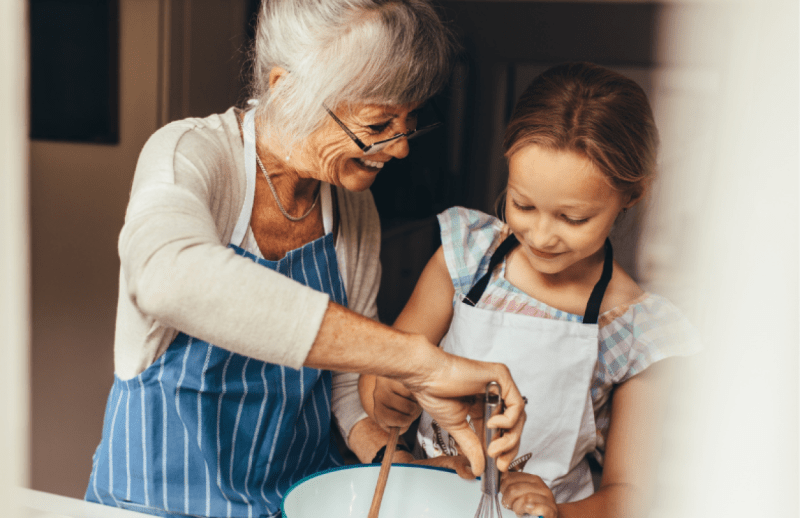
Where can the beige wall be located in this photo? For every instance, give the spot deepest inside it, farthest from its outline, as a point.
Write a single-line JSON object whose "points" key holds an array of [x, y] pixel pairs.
{"points": [[178, 58], [203, 56], [78, 198]]}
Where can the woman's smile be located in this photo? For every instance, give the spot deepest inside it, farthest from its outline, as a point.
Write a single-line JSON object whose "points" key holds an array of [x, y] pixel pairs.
{"points": [[370, 165], [337, 159]]}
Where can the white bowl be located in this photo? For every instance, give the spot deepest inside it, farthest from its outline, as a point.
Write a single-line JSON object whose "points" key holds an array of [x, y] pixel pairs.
{"points": [[411, 492]]}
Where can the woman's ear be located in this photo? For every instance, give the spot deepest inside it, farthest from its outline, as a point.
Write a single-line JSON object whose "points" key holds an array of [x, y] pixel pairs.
{"points": [[275, 75]]}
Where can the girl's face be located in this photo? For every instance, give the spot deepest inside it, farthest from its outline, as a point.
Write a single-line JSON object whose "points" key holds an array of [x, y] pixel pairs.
{"points": [[560, 207], [332, 156]]}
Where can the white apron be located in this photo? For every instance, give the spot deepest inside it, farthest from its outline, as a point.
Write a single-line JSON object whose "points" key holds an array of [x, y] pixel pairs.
{"points": [[552, 362]]}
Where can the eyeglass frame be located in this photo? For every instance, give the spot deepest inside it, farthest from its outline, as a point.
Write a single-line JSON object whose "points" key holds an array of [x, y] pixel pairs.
{"points": [[373, 148]]}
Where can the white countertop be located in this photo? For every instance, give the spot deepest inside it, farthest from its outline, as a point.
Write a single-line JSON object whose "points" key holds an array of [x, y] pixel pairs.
{"points": [[38, 504]]}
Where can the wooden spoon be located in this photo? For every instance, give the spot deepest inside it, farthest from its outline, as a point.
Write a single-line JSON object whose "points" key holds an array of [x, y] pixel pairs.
{"points": [[383, 475]]}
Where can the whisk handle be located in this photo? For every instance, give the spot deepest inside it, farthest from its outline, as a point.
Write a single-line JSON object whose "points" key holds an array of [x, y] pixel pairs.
{"points": [[490, 482]]}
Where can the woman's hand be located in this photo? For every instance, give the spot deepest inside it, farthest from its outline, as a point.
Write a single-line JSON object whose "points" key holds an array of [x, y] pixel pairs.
{"points": [[394, 405], [440, 391], [525, 493], [458, 463]]}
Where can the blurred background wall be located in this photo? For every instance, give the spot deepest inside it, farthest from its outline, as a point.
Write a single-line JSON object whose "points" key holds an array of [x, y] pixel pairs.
{"points": [[723, 241], [719, 236], [176, 58]]}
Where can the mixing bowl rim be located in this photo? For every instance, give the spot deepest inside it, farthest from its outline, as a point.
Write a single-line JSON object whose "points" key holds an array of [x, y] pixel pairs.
{"points": [[351, 466]]}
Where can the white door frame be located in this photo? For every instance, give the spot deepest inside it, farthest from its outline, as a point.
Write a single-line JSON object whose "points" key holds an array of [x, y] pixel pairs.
{"points": [[14, 251]]}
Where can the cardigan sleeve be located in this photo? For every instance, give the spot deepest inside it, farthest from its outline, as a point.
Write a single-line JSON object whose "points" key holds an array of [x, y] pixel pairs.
{"points": [[361, 237], [177, 270]]}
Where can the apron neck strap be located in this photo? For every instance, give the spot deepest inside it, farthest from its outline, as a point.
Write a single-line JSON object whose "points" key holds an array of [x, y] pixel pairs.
{"points": [[248, 129], [476, 292], [599, 290], [595, 299]]}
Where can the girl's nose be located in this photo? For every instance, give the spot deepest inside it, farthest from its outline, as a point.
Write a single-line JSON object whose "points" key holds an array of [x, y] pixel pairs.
{"points": [[542, 235]]}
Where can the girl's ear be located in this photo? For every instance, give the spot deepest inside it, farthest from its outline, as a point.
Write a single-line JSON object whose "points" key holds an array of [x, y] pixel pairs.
{"points": [[639, 190], [635, 196], [633, 199]]}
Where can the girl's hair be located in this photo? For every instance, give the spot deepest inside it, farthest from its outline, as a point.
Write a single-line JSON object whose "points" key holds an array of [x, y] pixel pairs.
{"points": [[339, 52], [594, 112]]}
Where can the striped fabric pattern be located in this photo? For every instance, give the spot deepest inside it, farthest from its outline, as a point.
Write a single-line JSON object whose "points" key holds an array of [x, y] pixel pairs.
{"points": [[207, 432], [631, 338]]}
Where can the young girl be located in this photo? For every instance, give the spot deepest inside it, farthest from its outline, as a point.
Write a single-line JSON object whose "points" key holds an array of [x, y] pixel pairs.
{"points": [[540, 292]]}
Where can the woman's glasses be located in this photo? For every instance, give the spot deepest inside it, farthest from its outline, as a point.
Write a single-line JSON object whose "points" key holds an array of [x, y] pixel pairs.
{"points": [[376, 147]]}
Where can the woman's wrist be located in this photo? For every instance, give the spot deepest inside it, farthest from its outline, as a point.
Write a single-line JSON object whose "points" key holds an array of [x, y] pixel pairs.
{"points": [[349, 342], [420, 359]]}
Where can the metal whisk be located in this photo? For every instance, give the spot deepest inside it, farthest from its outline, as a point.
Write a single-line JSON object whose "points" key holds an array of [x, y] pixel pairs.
{"points": [[489, 506]]}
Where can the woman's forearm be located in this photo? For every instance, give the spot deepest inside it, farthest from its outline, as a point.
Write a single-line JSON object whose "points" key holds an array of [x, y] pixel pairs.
{"points": [[350, 342]]}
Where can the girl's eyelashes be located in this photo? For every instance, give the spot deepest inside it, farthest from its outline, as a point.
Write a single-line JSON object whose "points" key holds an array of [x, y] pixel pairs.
{"points": [[575, 222], [521, 207], [569, 220]]}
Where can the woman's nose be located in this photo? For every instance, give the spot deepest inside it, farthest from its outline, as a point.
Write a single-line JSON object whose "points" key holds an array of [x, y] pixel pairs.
{"points": [[397, 148]]}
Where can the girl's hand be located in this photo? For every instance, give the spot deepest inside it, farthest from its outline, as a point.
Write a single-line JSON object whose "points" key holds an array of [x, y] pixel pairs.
{"points": [[394, 405], [526, 493], [403, 457]]}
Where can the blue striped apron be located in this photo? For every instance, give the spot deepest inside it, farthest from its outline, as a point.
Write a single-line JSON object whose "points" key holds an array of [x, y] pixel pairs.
{"points": [[207, 432]]}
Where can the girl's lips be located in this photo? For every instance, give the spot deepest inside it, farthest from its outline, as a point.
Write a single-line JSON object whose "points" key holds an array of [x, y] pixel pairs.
{"points": [[543, 255]]}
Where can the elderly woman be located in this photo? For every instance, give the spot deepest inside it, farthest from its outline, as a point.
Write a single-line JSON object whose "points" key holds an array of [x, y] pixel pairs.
{"points": [[249, 270]]}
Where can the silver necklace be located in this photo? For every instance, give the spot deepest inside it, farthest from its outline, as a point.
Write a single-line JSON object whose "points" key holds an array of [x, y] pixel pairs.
{"points": [[272, 187], [278, 201]]}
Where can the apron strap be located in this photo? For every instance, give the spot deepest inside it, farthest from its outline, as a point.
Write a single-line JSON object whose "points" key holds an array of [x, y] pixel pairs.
{"points": [[595, 299], [327, 198], [249, 143], [593, 306], [476, 292]]}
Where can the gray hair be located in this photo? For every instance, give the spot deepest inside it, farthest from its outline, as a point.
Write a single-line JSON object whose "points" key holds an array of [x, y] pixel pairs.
{"points": [[340, 52]]}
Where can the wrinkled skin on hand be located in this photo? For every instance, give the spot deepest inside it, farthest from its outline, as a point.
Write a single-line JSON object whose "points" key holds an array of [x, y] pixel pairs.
{"points": [[441, 392]]}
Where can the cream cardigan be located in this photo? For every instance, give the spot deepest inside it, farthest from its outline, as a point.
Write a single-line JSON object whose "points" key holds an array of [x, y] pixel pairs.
{"points": [[177, 273]]}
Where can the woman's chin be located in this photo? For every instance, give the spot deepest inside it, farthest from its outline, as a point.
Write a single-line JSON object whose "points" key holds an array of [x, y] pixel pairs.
{"points": [[358, 177]]}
